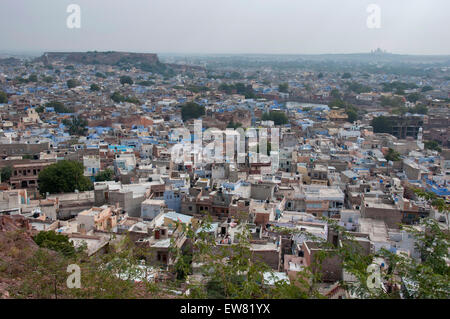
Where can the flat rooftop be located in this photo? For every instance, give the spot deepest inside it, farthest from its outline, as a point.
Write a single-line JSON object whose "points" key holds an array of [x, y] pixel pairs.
{"points": [[376, 229]]}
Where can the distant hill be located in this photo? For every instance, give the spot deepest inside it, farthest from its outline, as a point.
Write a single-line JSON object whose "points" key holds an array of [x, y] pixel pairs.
{"points": [[108, 58]]}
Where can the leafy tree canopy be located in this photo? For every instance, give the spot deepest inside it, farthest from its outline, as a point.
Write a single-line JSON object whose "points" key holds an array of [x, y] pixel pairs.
{"points": [[3, 97], [76, 125], [392, 155], [125, 79], [95, 87], [239, 88], [395, 101], [192, 110], [420, 109], [358, 87], [117, 97], [54, 241], [106, 175], [63, 177], [59, 107], [382, 124], [283, 88], [413, 97], [72, 83], [278, 117], [433, 145], [346, 75], [5, 173]]}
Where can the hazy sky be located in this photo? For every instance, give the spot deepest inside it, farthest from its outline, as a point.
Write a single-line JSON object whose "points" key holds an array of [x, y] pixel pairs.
{"points": [[227, 26]]}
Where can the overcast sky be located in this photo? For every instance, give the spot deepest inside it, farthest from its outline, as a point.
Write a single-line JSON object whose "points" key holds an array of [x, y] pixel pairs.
{"points": [[227, 26]]}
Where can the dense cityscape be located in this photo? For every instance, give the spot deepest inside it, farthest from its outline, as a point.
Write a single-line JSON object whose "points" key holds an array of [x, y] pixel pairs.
{"points": [[291, 169], [224, 158]]}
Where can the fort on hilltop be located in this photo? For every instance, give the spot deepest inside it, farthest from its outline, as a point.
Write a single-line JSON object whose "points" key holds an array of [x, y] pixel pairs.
{"points": [[94, 57]]}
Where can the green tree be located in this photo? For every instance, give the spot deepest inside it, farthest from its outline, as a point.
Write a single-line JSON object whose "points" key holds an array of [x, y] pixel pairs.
{"points": [[125, 79], [338, 103], [106, 175], [352, 115], [382, 124], [183, 265], [33, 78], [54, 241], [63, 177], [76, 126], [397, 86], [192, 110], [117, 97], [392, 155], [283, 87], [47, 79], [58, 106], [400, 110], [335, 94], [3, 97], [146, 83], [427, 88], [426, 277], [72, 83], [5, 174], [100, 75], [132, 99], [230, 270], [433, 145], [278, 117], [437, 202], [395, 101], [95, 87], [420, 109], [358, 87], [40, 109], [239, 88], [414, 97], [346, 75]]}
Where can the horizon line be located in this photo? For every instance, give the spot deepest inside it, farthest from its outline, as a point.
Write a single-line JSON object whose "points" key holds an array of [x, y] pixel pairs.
{"points": [[374, 52]]}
